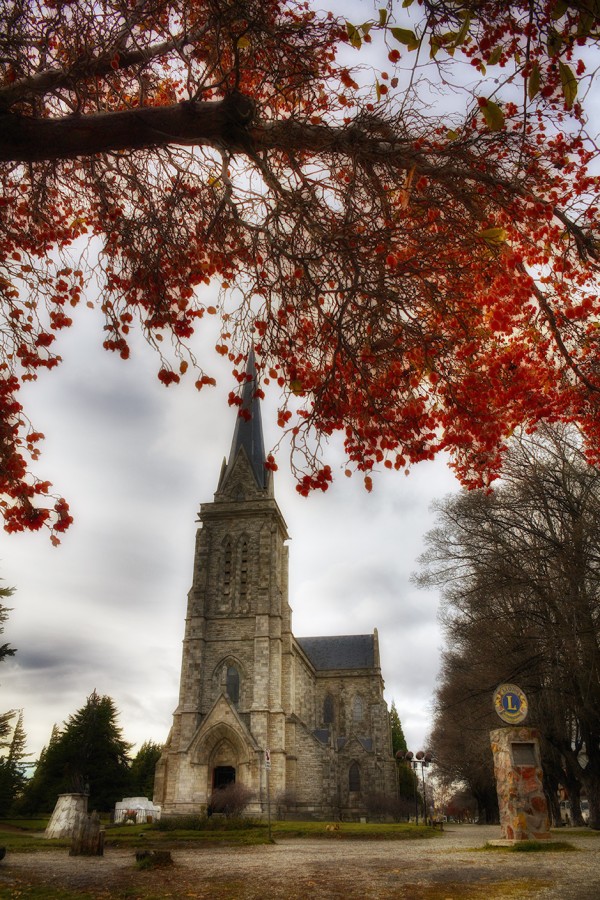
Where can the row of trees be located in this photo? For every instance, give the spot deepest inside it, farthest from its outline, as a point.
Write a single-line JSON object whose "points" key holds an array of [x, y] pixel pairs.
{"points": [[519, 572], [88, 754], [12, 733]]}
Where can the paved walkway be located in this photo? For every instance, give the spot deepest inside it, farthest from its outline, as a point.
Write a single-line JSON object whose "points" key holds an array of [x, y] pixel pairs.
{"points": [[452, 866]]}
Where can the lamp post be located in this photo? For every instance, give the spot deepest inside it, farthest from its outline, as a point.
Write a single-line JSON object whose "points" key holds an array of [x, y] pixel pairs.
{"points": [[415, 760]]}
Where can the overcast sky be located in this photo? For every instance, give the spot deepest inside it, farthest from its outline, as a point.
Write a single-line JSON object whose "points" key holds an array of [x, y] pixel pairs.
{"points": [[106, 609]]}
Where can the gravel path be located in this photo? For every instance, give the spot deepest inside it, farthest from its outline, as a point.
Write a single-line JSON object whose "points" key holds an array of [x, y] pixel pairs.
{"points": [[450, 867]]}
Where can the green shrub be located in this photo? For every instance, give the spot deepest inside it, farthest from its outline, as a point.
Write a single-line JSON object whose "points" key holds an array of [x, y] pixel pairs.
{"points": [[206, 823]]}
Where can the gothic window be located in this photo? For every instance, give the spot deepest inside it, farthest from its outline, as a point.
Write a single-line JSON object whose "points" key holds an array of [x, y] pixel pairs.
{"points": [[354, 777], [357, 709], [227, 567], [233, 685], [243, 572], [328, 714]]}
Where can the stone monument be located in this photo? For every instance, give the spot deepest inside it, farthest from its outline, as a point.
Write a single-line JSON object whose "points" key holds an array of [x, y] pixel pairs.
{"points": [[69, 812], [518, 770]]}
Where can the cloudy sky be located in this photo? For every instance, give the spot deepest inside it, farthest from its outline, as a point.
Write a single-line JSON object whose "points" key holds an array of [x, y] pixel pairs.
{"points": [[106, 609]]}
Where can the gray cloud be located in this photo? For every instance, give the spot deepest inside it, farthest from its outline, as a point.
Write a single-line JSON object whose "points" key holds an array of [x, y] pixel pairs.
{"points": [[106, 610]]}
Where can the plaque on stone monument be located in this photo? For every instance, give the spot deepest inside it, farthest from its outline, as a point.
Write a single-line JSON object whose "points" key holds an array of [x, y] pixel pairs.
{"points": [[523, 753]]}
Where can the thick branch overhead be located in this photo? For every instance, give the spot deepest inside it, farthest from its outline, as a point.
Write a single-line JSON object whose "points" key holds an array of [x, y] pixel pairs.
{"points": [[222, 122], [412, 253]]}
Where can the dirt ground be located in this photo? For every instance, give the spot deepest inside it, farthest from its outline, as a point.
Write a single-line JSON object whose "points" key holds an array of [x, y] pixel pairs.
{"points": [[452, 866]]}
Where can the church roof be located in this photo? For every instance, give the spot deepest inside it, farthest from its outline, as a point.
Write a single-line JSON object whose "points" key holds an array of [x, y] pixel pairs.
{"points": [[248, 431], [345, 651]]}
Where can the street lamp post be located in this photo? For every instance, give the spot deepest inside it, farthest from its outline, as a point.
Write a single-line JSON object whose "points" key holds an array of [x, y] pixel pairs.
{"points": [[415, 760]]}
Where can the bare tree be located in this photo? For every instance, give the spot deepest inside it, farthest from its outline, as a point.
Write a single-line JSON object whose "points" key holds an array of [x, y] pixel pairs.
{"points": [[231, 800], [520, 575]]}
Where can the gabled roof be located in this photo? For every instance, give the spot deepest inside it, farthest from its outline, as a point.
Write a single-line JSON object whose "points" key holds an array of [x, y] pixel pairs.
{"points": [[346, 651], [248, 428]]}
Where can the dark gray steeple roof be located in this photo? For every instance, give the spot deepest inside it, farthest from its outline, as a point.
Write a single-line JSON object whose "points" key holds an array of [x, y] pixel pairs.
{"points": [[248, 427], [346, 651]]}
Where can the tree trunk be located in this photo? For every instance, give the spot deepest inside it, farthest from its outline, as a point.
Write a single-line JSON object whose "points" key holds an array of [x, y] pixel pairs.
{"points": [[574, 790], [88, 839], [487, 807], [553, 807], [592, 789]]}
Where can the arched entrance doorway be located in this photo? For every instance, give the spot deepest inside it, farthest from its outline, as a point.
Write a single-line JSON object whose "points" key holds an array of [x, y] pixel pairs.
{"points": [[222, 776]]}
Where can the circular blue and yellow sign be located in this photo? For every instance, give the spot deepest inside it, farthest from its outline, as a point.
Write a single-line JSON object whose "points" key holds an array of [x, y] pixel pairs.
{"points": [[511, 704]]}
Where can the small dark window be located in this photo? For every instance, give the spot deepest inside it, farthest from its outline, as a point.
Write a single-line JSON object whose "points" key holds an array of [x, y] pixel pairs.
{"points": [[233, 685], [244, 570], [227, 567], [328, 714], [354, 778]]}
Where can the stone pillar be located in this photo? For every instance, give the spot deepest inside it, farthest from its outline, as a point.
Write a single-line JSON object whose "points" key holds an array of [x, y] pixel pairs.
{"points": [[518, 771], [69, 812]]}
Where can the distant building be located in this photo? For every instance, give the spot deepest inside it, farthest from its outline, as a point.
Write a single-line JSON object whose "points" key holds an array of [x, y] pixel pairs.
{"points": [[248, 685]]}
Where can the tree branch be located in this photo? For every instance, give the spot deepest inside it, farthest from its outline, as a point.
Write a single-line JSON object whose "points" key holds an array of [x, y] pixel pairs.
{"points": [[224, 122], [52, 79]]}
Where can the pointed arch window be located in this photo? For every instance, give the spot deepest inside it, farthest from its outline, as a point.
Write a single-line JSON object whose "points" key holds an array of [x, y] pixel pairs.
{"points": [[328, 710], [243, 570], [227, 566], [358, 710], [354, 777], [232, 685]]}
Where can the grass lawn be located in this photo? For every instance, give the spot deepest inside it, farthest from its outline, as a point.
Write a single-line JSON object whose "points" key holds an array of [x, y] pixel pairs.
{"points": [[27, 835]]}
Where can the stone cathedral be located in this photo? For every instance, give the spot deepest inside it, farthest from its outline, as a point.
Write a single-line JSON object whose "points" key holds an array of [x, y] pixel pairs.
{"points": [[249, 685]]}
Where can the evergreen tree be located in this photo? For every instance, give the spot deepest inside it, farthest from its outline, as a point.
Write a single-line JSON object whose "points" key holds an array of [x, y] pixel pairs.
{"points": [[407, 779], [31, 800], [12, 768], [398, 739], [142, 769], [5, 649], [6, 717], [88, 754]]}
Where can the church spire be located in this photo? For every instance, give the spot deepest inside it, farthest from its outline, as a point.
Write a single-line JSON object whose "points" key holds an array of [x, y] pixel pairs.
{"points": [[248, 427]]}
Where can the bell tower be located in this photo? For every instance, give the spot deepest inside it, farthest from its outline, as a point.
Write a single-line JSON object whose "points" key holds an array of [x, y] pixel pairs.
{"points": [[237, 644]]}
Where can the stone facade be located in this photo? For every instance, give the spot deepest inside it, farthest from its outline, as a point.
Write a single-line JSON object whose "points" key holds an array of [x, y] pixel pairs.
{"points": [[247, 684]]}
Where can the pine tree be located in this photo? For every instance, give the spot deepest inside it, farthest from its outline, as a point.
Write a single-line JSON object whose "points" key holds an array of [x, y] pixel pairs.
{"points": [[142, 769], [5, 649], [88, 754], [407, 779], [31, 801], [12, 768], [398, 739], [6, 718]]}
